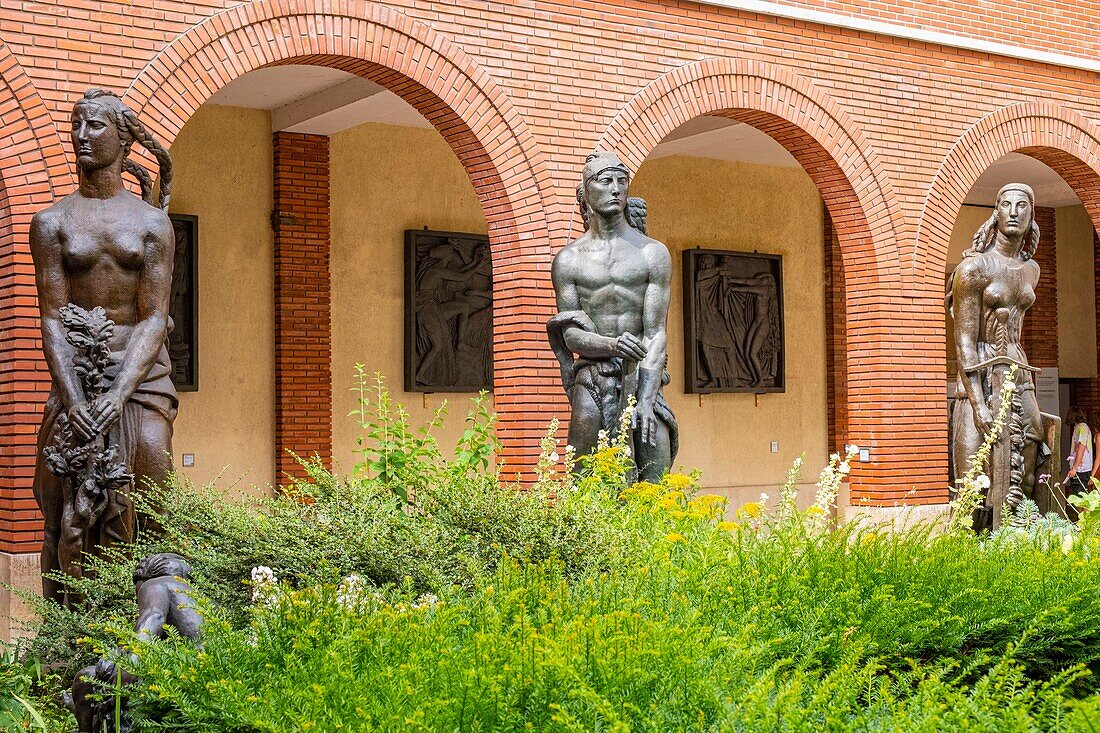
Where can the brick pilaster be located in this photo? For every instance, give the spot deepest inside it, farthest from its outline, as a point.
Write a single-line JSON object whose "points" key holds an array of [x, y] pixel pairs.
{"points": [[303, 383], [1085, 393], [836, 340], [1040, 335]]}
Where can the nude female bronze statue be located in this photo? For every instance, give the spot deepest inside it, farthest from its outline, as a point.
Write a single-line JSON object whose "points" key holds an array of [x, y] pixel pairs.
{"points": [[613, 286], [102, 247], [987, 296]]}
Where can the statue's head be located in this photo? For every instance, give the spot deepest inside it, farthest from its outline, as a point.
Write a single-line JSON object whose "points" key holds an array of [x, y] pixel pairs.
{"points": [[1015, 209], [99, 138], [1013, 216], [604, 186], [103, 131], [163, 564]]}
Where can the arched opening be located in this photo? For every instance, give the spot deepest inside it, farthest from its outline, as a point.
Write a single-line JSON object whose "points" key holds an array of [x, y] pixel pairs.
{"points": [[720, 193], [460, 100], [364, 168], [1060, 328], [442, 85], [1060, 149], [875, 376]]}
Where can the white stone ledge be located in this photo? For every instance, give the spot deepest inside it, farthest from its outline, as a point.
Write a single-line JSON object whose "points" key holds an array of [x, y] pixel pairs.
{"points": [[894, 30]]}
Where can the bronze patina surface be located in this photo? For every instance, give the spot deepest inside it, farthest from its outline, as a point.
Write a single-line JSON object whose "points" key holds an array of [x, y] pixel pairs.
{"points": [[106, 253], [612, 287]]}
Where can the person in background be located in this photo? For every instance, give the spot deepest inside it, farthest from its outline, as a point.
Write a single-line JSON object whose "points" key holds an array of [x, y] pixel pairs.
{"points": [[1081, 463]]}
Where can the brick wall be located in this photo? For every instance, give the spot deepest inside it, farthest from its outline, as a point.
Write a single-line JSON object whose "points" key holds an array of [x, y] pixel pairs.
{"points": [[1086, 392], [303, 352], [894, 132], [1040, 336]]}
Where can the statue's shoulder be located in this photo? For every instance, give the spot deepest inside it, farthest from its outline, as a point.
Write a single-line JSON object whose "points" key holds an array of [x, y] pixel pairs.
{"points": [[570, 252], [974, 268], [656, 250], [47, 221], [154, 219]]}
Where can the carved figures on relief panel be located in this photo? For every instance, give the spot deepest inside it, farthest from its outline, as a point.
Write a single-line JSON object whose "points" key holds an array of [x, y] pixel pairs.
{"points": [[733, 321], [183, 330], [448, 312]]}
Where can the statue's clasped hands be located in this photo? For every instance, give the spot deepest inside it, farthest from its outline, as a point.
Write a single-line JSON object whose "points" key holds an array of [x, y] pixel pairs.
{"points": [[629, 346], [95, 417]]}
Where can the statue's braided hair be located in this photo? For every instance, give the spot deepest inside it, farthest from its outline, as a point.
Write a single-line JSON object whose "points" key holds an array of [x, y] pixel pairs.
{"points": [[131, 130]]}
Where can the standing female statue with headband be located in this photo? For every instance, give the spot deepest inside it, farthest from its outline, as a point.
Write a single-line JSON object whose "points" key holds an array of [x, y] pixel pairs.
{"points": [[103, 247], [987, 296]]}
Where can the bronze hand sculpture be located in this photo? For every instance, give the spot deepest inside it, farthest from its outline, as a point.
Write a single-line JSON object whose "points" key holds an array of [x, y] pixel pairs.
{"points": [[109, 254], [988, 294], [612, 287]]}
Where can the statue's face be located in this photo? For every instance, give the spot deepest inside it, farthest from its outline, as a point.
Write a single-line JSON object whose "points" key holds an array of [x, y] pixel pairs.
{"points": [[606, 194], [1014, 213], [96, 141]]}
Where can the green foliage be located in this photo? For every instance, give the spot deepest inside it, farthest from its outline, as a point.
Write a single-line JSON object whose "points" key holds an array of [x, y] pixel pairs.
{"points": [[584, 604], [696, 628], [25, 693]]}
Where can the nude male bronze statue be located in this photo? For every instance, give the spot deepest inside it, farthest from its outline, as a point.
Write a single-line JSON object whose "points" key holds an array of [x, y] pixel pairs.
{"points": [[612, 286], [102, 247], [987, 296]]}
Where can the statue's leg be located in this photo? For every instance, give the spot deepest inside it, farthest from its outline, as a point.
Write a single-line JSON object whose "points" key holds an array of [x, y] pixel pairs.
{"points": [[151, 462], [965, 440], [654, 461], [585, 420], [49, 492], [1033, 437]]}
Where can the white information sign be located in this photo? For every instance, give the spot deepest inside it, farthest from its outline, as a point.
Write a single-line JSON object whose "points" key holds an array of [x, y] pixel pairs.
{"points": [[1046, 391]]}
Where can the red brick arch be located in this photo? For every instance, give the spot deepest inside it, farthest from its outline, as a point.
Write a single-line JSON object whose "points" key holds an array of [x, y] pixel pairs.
{"points": [[462, 101], [1061, 138], [800, 117], [880, 371], [33, 172]]}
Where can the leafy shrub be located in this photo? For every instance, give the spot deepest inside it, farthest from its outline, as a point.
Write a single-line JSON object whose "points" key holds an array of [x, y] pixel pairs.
{"points": [[422, 593]]}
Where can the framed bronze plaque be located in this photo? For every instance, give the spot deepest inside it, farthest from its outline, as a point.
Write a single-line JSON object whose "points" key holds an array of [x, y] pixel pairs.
{"points": [[183, 339], [448, 312], [733, 322]]}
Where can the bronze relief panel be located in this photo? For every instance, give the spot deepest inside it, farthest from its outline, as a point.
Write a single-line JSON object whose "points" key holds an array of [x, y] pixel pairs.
{"points": [[448, 312], [733, 322]]}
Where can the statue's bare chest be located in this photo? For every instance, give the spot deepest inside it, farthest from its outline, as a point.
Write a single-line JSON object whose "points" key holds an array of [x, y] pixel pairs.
{"points": [[88, 243], [616, 266]]}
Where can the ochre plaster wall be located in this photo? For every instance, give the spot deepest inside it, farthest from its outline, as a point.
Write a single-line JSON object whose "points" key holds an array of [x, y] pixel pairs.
{"points": [[385, 179], [223, 175], [1076, 293], [695, 202]]}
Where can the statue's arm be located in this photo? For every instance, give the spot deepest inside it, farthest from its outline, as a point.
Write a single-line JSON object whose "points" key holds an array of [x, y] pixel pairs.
{"points": [[583, 343], [655, 341], [153, 296], [53, 294], [968, 285]]}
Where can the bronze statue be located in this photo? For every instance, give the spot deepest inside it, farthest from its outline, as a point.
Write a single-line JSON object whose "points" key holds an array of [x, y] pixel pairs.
{"points": [[104, 252], [612, 287], [987, 296], [164, 598]]}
